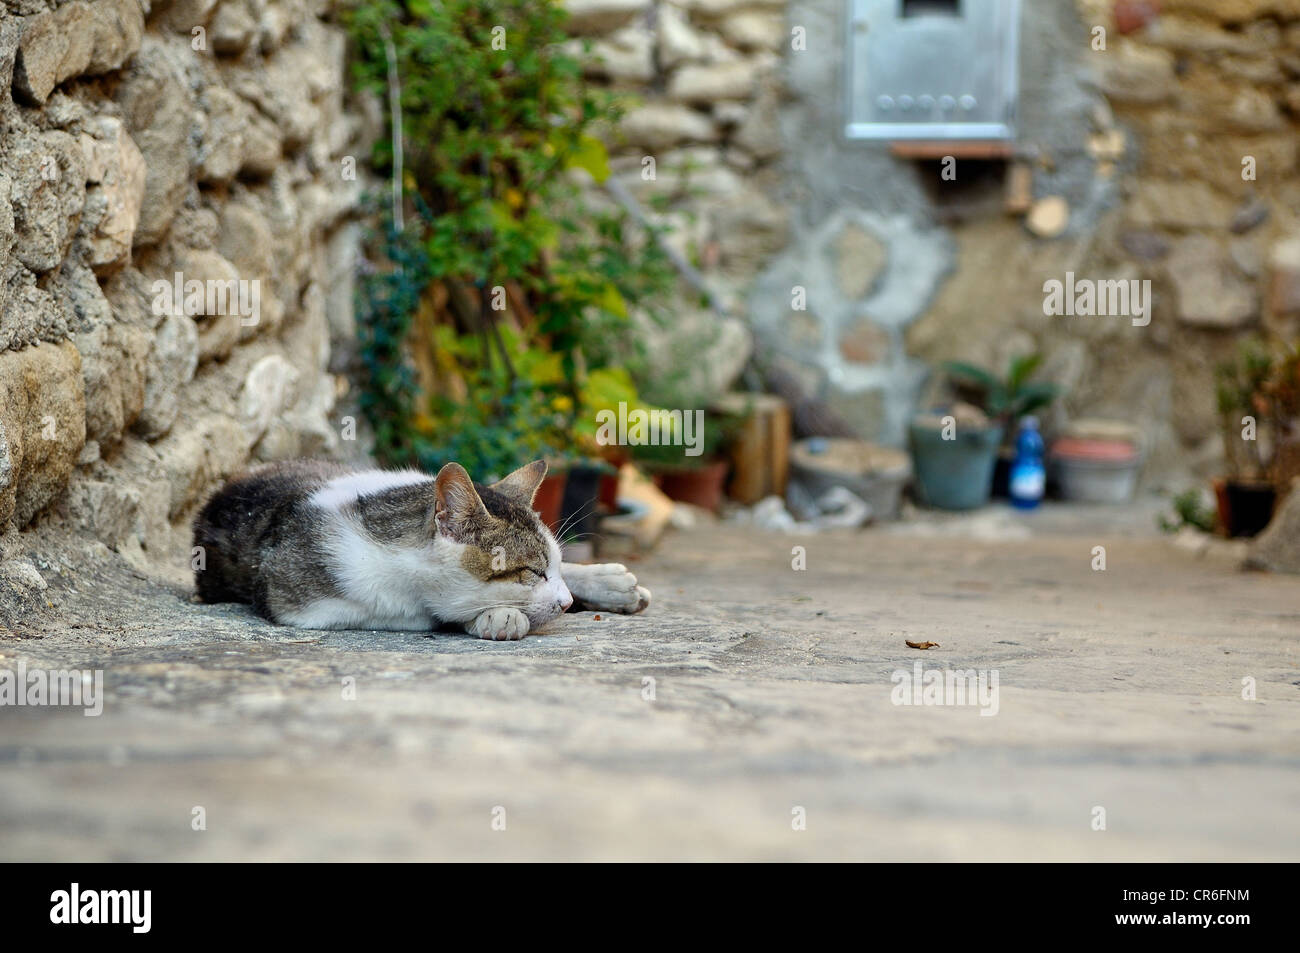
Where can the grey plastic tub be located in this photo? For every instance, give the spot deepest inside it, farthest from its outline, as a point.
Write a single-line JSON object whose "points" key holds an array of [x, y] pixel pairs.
{"points": [[1097, 481]]}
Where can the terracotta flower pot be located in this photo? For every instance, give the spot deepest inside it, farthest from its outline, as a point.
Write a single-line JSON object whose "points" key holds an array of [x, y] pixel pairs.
{"points": [[700, 486], [607, 493], [549, 500]]}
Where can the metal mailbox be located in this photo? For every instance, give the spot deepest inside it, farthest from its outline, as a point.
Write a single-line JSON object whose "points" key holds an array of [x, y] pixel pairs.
{"points": [[932, 69]]}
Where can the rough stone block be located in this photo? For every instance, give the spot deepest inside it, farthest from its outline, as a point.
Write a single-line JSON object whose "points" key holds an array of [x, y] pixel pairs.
{"points": [[42, 427], [1208, 291], [77, 39]]}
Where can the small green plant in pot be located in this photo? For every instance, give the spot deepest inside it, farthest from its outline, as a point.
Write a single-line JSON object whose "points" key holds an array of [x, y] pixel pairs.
{"points": [[697, 479], [953, 453], [956, 449], [1244, 495], [1005, 400], [687, 457]]}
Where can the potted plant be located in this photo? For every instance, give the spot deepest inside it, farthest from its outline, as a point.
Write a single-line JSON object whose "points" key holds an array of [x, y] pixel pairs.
{"points": [[1004, 400], [698, 480], [1244, 495], [953, 452], [686, 459], [956, 448]]}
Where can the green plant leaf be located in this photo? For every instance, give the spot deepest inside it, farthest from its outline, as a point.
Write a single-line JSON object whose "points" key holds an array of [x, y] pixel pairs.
{"points": [[612, 300], [972, 373], [1022, 368], [1032, 397], [592, 156]]}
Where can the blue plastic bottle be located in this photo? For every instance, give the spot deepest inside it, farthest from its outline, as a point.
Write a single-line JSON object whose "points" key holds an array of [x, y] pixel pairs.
{"points": [[1028, 477]]}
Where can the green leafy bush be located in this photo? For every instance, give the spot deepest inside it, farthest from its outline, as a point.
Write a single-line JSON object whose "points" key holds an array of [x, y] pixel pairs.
{"points": [[495, 118]]}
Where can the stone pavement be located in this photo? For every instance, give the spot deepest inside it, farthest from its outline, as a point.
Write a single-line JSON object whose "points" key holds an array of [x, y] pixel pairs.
{"points": [[1118, 689]]}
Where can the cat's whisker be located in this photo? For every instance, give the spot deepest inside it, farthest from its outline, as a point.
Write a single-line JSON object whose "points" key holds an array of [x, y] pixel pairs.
{"points": [[575, 516], [581, 512], [581, 536], [559, 530]]}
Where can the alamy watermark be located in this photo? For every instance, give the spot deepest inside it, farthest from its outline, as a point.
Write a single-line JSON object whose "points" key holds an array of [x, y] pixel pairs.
{"points": [[946, 686], [44, 687], [130, 907], [1089, 297], [192, 298], [655, 427]]}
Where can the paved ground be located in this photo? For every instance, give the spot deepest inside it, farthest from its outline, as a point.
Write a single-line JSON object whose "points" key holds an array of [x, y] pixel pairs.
{"points": [[1118, 689]]}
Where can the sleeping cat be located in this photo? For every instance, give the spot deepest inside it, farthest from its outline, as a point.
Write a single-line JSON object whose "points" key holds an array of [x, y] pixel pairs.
{"points": [[322, 546]]}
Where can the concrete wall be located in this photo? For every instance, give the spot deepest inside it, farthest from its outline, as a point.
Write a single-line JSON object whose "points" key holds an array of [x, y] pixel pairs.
{"points": [[137, 142]]}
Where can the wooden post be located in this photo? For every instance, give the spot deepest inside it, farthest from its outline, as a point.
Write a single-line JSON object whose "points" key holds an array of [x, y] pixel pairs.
{"points": [[760, 454]]}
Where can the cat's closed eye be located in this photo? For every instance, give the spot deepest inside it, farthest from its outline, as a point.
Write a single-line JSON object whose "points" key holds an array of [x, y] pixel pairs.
{"points": [[526, 576]]}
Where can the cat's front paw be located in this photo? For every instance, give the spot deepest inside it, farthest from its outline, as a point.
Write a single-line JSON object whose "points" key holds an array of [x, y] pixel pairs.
{"points": [[611, 588], [502, 625], [642, 600]]}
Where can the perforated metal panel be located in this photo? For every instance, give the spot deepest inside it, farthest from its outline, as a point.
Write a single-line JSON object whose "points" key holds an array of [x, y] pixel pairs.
{"points": [[932, 69]]}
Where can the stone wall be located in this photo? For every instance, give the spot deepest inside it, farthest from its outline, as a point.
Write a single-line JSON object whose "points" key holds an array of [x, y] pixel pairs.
{"points": [[699, 149], [142, 146], [1144, 140], [209, 139]]}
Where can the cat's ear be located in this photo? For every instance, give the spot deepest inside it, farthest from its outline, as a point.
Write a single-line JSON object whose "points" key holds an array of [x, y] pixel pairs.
{"points": [[456, 503], [521, 486]]}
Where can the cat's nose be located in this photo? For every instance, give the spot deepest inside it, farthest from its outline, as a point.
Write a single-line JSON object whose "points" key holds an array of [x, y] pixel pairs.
{"points": [[565, 602]]}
